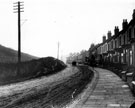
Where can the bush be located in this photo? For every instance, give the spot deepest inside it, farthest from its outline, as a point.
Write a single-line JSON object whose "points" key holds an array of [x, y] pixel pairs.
{"points": [[9, 72]]}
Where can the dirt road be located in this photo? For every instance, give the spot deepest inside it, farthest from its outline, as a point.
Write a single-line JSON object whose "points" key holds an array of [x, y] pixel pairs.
{"points": [[46, 92]]}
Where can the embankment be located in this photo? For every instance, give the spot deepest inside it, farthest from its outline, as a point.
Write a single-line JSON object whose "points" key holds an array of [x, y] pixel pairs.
{"points": [[13, 72]]}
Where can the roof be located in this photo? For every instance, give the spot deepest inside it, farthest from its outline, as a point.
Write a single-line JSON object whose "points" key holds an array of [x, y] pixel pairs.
{"points": [[131, 23]]}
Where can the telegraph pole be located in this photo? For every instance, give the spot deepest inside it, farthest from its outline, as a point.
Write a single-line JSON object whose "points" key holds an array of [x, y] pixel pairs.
{"points": [[18, 9]]}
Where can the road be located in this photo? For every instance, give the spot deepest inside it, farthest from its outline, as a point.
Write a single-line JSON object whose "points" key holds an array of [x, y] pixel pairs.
{"points": [[46, 92]]}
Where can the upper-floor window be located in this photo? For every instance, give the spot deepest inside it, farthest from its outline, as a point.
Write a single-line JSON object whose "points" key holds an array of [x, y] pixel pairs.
{"points": [[134, 32], [122, 58], [115, 43], [124, 38], [119, 40], [111, 44], [129, 34], [108, 46], [131, 57]]}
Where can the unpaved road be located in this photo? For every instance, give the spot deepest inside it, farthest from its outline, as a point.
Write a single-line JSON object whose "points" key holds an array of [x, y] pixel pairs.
{"points": [[46, 92]]}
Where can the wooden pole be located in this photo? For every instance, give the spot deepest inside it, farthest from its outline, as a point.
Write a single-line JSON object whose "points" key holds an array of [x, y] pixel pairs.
{"points": [[19, 34], [18, 10]]}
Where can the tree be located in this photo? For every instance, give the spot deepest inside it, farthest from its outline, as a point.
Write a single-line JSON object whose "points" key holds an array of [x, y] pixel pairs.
{"points": [[92, 46]]}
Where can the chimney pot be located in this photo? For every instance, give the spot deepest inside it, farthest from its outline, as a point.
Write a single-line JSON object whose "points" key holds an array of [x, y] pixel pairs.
{"points": [[104, 39], [109, 34], [116, 30], [124, 24]]}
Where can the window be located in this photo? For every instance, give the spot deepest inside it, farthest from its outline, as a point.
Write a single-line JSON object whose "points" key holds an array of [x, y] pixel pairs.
{"points": [[111, 44], [124, 39], [119, 40], [134, 33], [127, 57], [122, 58], [129, 34], [118, 57], [110, 57], [115, 43], [131, 57]]}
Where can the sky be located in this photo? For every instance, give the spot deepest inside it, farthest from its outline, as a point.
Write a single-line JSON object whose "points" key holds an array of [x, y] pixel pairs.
{"points": [[75, 24]]}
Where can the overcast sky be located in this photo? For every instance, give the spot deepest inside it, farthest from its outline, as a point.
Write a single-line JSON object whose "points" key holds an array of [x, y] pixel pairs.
{"points": [[74, 23]]}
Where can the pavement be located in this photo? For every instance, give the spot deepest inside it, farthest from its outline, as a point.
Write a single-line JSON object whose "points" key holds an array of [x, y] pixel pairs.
{"points": [[107, 90]]}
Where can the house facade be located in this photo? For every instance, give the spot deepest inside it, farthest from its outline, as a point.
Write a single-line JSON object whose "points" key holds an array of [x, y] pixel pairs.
{"points": [[120, 47]]}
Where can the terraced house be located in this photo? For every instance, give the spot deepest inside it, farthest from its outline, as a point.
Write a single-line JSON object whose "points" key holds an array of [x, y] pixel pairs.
{"points": [[120, 47]]}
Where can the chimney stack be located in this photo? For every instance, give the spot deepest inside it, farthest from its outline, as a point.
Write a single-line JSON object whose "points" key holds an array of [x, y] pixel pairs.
{"points": [[104, 39], [133, 16], [116, 30], [109, 34], [124, 24]]}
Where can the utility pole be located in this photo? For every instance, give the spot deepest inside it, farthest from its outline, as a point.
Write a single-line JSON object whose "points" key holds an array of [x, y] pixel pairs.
{"points": [[18, 9], [58, 50]]}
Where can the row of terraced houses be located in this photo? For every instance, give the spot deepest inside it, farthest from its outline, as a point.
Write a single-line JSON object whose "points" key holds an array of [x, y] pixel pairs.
{"points": [[120, 47]]}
